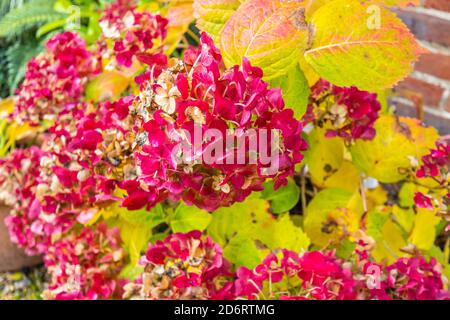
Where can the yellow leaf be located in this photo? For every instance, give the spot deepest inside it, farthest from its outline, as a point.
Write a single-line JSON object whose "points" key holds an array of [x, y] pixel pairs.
{"points": [[332, 215], [310, 74], [180, 14], [387, 248], [347, 177], [424, 231], [212, 15], [324, 156], [107, 85], [376, 197], [6, 107], [272, 34], [357, 44], [386, 157], [424, 137], [404, 217]]}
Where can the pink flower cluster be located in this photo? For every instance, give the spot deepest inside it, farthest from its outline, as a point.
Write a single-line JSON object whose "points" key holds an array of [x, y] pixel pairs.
{"points": [[436, 166], [182, 266], [84, 156], [185, 266], [199, 93], [133, 33], [350, 112], [54, 78], [415, 279], [85, 264], [29, 226], [322, 276], [313, 275]]}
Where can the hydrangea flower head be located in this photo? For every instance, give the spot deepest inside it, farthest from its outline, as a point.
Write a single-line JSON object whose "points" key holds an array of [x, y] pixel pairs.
{"points": [[85, 264], [182, 266], [133, 33], [54, 78], [349, 112], [196, 117]]}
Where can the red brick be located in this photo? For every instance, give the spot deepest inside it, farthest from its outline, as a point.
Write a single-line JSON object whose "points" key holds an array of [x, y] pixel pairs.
{"points": [[427, 27], [437, 65], [443, 5], [431, 94]]}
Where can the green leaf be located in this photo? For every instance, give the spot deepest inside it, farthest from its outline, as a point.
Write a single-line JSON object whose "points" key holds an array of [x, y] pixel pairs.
{"points": [[295, 90], [250, 218], [250, 225], [272, 34], [188, 218], [242, 251], [31, 14], [286, 235], [346, 249], [406, 195], [353, 46], [136, 228], [50, 26], [150, 218], [212, 15], [131, 272], [17, 56], [375, 222], [283, 199]]}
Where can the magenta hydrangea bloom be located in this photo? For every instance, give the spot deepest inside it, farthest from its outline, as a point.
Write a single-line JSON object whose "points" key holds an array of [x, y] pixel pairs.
{"points": [[91, 153], [133, 33], [29, 225], [84, 156], [416, 279], [182, 266], [323, 276], [84, 265], [313, 275], [54, 78], [350, 112], [199, 96], [436, 166]]}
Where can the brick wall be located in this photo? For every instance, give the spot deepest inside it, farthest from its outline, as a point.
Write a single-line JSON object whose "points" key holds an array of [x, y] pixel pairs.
{"points": [[426, 93]]}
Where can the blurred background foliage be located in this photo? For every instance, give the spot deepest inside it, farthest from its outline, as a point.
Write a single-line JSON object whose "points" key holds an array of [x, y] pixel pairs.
{"points": [[25, 25]]}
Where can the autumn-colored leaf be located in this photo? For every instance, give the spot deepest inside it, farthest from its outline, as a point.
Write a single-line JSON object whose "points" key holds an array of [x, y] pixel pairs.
{"points": [[212, 15], [332, 216], [388, 236], [324, 156], [6, 107], [272, 34], [386, 157], [398, 143], [107, 85], [424, 137], [424, 231], [355, 45]]}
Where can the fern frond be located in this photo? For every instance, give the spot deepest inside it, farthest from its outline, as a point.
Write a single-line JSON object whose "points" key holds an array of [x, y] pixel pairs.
{"points": [[17, 57], [31, 14]]}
